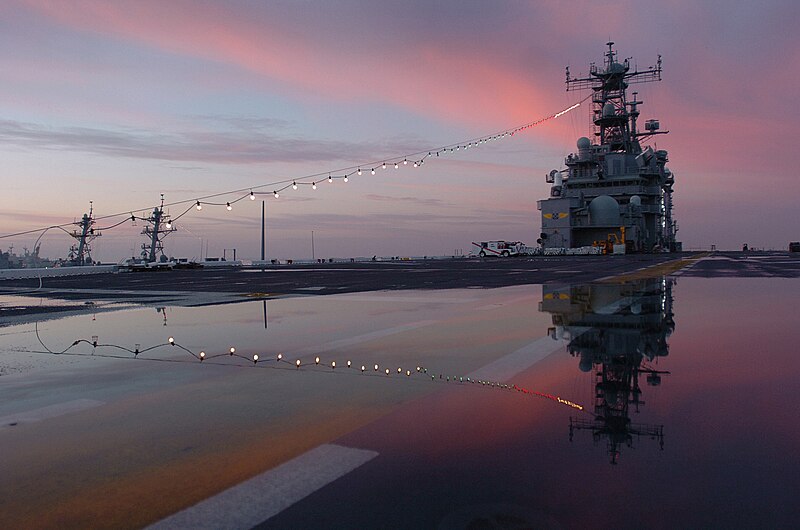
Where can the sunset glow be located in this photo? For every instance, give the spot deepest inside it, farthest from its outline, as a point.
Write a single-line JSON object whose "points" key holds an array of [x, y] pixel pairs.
{"points": [[118, 102]]}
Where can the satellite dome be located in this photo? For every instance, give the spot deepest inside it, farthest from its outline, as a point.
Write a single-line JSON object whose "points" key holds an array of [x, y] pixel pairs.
{"points": [[636, 200], [584, 143], [609, 110], [616, 68], [604, 211], [585, 364]]}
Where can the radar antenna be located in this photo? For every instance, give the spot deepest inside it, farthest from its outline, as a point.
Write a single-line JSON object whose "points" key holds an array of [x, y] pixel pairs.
{"points": [[80, 252], [159, 225]]}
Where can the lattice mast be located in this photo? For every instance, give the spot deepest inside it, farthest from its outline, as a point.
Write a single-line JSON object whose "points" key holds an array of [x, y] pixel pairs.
{"points": [[80, 252], [158, 227], [614, 116]]}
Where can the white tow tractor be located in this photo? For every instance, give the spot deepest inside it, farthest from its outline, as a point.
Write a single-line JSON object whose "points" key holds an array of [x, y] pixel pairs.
{"points": [[501, 248]]}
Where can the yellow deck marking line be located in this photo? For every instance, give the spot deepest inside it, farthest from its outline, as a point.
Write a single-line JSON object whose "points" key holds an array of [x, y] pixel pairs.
{"points": [[654, 271]]}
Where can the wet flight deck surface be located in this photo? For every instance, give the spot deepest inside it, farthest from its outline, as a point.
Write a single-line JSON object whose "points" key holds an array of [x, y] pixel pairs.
{"points": [[656, 401]]}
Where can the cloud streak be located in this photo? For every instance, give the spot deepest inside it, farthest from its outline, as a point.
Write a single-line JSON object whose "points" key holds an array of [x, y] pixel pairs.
{"points": [[407, 200], [251, 145]]}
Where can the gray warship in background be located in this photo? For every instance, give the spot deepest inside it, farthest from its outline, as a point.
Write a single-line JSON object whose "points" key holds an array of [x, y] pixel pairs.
{"points": [[614, 195]]}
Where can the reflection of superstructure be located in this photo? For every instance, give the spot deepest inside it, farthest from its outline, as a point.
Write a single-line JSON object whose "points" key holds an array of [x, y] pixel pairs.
{"points": [[616, 330], [613, 191]]}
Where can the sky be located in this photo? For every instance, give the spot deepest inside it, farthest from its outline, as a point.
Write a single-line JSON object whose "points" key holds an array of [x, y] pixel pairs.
{"points": [[119, 102]]}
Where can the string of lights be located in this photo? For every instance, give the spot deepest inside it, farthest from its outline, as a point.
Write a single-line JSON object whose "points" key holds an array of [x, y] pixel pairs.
{"points": [[414, 160], [301, 363]]}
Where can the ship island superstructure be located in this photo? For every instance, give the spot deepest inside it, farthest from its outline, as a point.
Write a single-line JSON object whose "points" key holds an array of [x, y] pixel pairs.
{"points": [[614, 193]]}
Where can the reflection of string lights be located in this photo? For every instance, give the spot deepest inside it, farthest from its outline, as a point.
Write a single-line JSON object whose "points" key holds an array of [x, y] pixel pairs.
{"points": [[417, 159], [551, 397], [278, 360]]}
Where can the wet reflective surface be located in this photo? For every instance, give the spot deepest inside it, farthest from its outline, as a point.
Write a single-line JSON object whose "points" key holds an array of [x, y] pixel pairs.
{"points": [[688, 390]]}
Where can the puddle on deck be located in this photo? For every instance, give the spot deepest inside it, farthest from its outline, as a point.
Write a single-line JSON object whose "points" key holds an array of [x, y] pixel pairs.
{"points": [[687, 391]]}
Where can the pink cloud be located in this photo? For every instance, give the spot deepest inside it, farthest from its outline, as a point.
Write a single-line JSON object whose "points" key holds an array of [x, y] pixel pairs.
{"points": [[464, 87]]}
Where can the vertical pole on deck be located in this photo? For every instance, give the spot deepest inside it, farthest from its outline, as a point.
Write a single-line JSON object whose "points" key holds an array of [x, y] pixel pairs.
{"points": [[263, 233]]}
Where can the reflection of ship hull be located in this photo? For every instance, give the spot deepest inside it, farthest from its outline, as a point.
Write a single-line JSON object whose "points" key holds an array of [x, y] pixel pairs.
{"points": [[615, 329]]}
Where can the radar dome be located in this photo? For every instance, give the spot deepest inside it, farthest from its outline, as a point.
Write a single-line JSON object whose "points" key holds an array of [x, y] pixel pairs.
{"points": [[616, 68], [585, 364], [584, 143], [604, 211], [636, 200], [608, 110]]}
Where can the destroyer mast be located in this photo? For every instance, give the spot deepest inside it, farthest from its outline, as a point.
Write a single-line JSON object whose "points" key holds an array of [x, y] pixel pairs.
{"points": [[80, 252], [158, 226]]}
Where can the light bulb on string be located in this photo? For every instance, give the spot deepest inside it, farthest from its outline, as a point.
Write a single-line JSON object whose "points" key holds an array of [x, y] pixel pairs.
{"points": [[202, 355], [313, 185], [345, 178], [330, 179], [294, 185], [444, 150], [276, 194]]}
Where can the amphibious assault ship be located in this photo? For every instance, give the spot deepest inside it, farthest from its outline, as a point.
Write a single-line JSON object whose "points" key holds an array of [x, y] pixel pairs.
{"points": [[614, 193]]}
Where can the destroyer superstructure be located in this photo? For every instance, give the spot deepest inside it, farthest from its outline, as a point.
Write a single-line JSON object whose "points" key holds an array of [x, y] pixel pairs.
{"points": [[613, 192]]}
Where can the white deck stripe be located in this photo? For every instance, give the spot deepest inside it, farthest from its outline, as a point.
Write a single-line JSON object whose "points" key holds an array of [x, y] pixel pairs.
{"points": [[681, 271], [508, 366], [256, 500], [366, 337], [379, 298], [52, 411]]}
